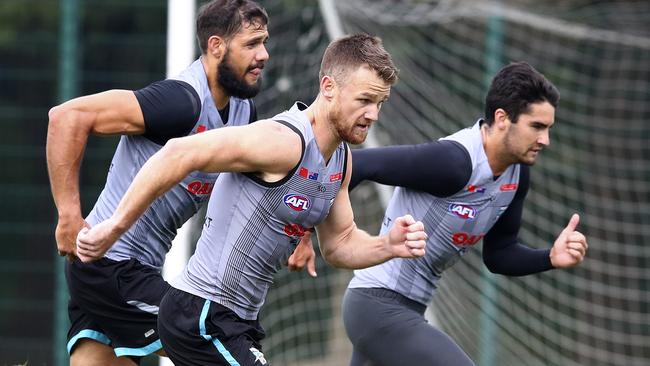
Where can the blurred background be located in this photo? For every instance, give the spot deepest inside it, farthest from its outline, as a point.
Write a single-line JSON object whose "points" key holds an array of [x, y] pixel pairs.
{"points": [[596, 52]]}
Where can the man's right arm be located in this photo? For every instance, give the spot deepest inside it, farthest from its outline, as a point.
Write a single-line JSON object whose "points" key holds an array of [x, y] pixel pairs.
{"points": [[267, 148], [70, 124], [161, 111]]}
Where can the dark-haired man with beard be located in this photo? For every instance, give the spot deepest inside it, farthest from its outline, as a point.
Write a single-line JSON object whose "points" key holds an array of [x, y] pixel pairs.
{"points": [[114, 302]]}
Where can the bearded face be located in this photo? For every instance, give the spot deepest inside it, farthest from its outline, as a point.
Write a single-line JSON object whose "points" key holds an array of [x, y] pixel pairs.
{"points": [[233, 79]]}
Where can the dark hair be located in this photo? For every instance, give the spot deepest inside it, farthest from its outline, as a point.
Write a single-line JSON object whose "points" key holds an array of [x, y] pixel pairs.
{"points": [[349, 53], [225, 18], [514, 88]]}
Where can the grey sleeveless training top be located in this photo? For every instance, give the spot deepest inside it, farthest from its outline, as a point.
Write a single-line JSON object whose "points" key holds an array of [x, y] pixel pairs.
{"points": [[252, 227], [453, 224], [149, 239]]}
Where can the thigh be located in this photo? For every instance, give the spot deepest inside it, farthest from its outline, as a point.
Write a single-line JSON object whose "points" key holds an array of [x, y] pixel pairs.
{"points": [[384, 332], [92, 353], [195, 331]]}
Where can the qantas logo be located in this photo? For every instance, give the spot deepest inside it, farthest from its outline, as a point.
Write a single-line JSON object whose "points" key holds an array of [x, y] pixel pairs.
{"points": [[297, 202], [463, 211], [295, 230], [465, 239], [336, 177], [509, 187], [199, 188]]}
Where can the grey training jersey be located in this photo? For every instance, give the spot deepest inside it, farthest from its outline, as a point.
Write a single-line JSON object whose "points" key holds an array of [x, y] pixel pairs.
{"points": [[252, 227], [149, 239], [454, 224]]}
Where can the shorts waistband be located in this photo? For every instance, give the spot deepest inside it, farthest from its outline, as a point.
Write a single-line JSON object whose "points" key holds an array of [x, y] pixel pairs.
{"points": [[399, 298]]}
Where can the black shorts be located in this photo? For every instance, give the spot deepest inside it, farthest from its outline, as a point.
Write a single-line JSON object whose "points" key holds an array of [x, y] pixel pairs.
{"points": [[196, 331], [115, 303]]}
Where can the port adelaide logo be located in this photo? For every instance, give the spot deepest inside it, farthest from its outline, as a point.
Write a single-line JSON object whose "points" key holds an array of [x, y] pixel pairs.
{"points": [[463, 211], [297, 202]]}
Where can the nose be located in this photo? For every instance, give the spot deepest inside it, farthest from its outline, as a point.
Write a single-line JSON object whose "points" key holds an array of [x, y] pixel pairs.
{"points": [[544, 139], [262, 55], [372, 113]]}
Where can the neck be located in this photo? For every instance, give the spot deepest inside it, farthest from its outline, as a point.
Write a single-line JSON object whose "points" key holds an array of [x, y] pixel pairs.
{"points": [[219, 96], [494, 150], [324, 132]]}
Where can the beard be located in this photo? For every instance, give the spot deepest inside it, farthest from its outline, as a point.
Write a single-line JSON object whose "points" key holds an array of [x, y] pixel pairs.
{"points": [[345, 132], [236, 86]]}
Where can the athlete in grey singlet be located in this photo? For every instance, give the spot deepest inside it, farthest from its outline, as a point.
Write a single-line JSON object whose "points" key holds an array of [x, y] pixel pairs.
{"points": [[150, 238], [467, 187], [252, 247], [114, 302], [280, 178]]}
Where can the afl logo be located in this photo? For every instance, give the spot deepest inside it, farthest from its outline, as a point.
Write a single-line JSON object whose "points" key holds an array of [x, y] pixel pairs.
{"points": [[297, 202], [463, 211]]}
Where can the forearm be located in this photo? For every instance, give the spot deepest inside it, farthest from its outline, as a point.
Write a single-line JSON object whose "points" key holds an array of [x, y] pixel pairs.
{"points": [[159, 174], [64, 149], [356, 249]]}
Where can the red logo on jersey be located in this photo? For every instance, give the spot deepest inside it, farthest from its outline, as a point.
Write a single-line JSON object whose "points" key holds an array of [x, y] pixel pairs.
{"points": [[509, 187], [200, 129], [297, 202], [303, 172], [199, 188], [465, 238], [473, 188], [336, 177], [295, 230]]}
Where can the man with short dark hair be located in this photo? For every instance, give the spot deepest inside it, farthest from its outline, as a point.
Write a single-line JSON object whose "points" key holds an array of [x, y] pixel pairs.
{"points": [[114, 302], [465, 187]]}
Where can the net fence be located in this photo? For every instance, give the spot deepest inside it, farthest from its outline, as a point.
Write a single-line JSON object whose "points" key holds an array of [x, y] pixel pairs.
{"points": [[597, 54]]}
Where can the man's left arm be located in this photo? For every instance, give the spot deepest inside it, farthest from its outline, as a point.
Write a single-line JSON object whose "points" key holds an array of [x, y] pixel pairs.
{"points": [[344, 245], [503, 254]]}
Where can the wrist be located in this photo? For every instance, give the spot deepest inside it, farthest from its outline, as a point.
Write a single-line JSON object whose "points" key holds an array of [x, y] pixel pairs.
{"points": [[389, 247], [70, 214], [117, 226]]}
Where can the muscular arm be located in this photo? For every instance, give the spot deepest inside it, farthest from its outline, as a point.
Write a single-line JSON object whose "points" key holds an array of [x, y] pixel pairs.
{"points": [[440, 168], [70, 124], [345, 246], [159, 110], [502, 252], [269, 148]]}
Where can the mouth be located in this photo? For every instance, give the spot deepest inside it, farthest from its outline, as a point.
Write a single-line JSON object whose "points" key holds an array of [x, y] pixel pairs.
{"points": [[256, 70], [362, 127]]}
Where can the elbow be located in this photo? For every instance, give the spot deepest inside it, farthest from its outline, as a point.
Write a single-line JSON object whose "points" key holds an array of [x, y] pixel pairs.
{"points": [[330, 256], [67, 120], [55, 115], [492, 266], [176, 155]]}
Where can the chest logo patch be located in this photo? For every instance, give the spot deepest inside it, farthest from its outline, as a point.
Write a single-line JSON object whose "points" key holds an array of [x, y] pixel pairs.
{"points": [[463, 211], [297, 202], [508, 187]]}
